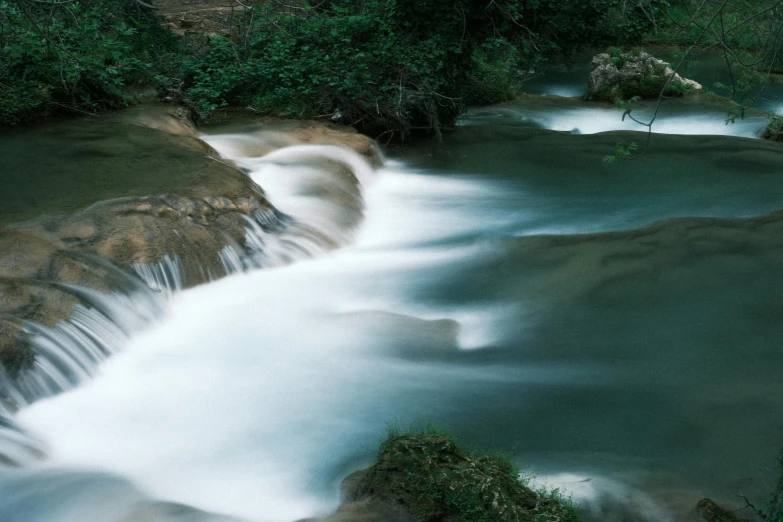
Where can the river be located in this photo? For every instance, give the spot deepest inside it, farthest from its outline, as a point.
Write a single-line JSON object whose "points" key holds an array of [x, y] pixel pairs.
{"points": [[507, 284]]}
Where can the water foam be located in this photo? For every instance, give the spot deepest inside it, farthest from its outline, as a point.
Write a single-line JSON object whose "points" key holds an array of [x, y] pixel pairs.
{"points": [[602, 499], [318, 188]]}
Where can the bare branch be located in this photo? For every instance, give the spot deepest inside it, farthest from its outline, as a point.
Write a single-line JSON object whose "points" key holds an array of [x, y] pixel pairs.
{"points": [[144, 4]]}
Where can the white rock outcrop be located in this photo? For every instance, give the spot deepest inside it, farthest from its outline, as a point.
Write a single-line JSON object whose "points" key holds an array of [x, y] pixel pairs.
{"points": [[633, 74]]}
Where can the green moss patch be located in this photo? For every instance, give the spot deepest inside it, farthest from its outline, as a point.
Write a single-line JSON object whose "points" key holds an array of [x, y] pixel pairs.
{"points": [[436, 480]]}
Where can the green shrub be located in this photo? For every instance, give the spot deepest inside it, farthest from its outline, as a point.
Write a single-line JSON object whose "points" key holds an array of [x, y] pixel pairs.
{"points": [[495, 74], [393, 66], [361, 66], [746, 31], [74, 56], [387, 66]]}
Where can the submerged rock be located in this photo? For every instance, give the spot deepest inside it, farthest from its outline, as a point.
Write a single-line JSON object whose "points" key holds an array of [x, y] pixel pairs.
{"points": [[709, 511], [774, 130], [625, 75]]}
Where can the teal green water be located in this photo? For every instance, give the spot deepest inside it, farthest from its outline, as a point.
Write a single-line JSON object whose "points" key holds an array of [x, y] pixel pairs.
{"points": [[671, 332], [610, 325], [65, 166]]}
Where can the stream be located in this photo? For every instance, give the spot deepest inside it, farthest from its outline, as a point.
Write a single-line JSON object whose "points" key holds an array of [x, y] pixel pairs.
{"points": [[615, 327]]}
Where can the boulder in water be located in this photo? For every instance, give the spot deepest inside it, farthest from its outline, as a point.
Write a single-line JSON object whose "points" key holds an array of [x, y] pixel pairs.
{"points": [[623, 75], [709, 511], [428, 477], [774, 130]]}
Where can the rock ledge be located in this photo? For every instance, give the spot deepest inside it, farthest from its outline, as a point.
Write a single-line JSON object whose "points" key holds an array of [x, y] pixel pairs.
{"points": [[637, 73]]}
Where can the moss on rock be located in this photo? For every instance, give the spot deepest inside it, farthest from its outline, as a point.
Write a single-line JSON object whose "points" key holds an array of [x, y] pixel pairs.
{"points": [[435, 480], [624, 75], [774, 130]]}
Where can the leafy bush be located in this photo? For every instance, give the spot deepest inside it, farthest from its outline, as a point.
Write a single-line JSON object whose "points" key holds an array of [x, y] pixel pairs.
{"points": [[495, 74], [393, 66], [74, 56], [746, 32], [364, 66], [387, 66]]}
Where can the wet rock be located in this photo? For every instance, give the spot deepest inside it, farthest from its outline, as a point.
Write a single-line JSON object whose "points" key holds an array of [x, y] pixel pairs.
{"points": [[219, 203], [193, 217], [774, 130], [169, 118], [420, 478], [36, 256], [249, 206], [64, 167], [709, 511], [619, 75], [125, 232], [273, 133], [133, 188], [368, 511]]}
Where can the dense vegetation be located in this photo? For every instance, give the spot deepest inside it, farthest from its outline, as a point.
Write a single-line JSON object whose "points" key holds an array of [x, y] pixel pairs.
{"points": [[387, 66], [749, 34], [396, 65], [70, 56]]}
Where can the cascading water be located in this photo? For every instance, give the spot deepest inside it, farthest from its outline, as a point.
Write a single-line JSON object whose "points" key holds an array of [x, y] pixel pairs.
{"points": [[474, 287], [69, 353], [164, 276], [319, 188]]}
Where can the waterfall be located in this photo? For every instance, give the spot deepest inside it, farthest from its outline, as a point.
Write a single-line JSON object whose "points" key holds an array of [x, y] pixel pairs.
{"points": [[165, 275], [318, 197], [71, 351], [297, 179]]}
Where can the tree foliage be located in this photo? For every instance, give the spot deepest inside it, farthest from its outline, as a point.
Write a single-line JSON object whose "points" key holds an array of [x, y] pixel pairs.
{"points": [[748, 33], [390, 67], [395, 66], [74, 55]]}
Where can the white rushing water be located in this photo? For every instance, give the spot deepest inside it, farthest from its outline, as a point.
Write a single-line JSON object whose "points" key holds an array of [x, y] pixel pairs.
{"points": [[570, 116], [229, 404], [71, 351], [319, 187], [249, 396], [256, 394]]}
